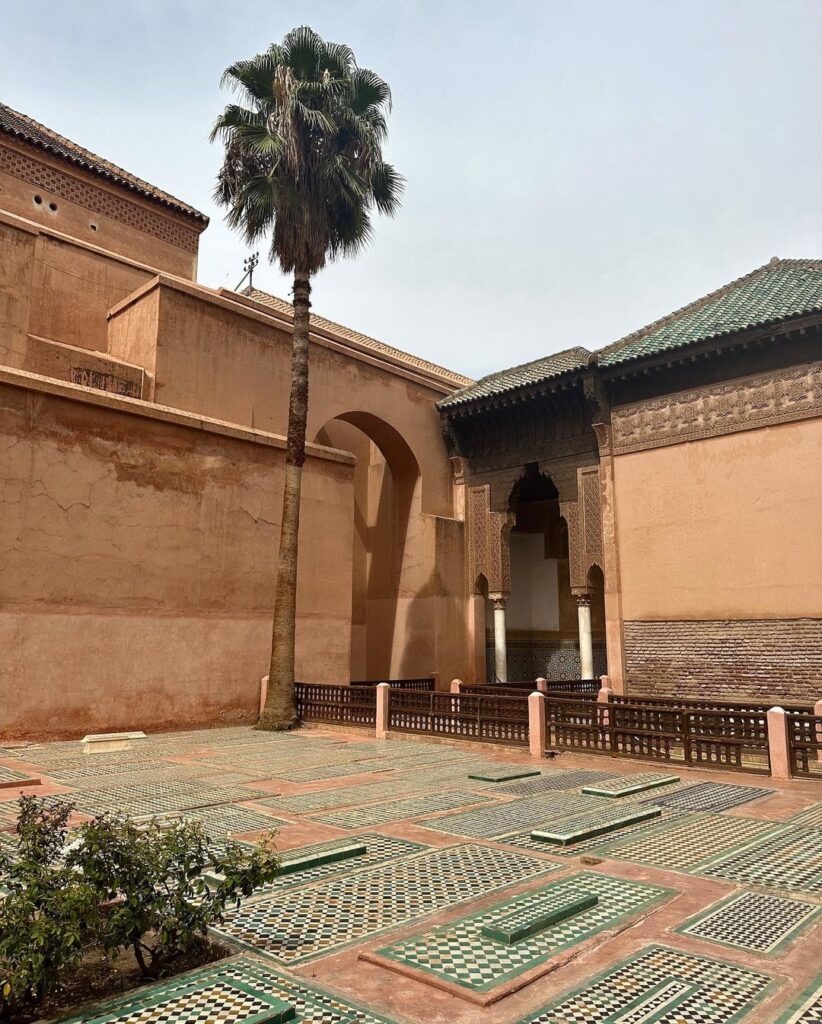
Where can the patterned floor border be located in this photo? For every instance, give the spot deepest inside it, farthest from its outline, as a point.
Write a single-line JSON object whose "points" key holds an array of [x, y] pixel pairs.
{"points": [[807, 1008], [660, 984]]}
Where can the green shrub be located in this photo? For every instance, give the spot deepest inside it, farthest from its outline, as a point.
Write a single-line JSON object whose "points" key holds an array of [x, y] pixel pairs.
{"points": [[116, 885], [151, 880], [49, 914]]}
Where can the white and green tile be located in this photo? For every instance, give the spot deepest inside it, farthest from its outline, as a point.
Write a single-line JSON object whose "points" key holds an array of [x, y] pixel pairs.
{"points": [[754, 921]]}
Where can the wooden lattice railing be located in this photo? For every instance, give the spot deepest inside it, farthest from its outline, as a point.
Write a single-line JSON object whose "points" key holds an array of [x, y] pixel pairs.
{"points": [[426, 683], [494, 719], [805, 745], [344, 705]]}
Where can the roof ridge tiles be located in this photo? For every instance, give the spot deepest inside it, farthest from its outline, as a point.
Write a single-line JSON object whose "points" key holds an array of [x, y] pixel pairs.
{"points": [[330, 326], [34, 133]]}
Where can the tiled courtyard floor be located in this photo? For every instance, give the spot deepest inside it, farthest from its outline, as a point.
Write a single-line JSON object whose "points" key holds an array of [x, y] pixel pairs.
{"points": [[443, 907]]}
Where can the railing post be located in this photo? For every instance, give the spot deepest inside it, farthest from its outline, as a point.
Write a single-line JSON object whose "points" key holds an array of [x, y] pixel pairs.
{"points": [[536, 724], [383, 705], [456, 685], [817, 713], [604, 698], [542, 685], [778, 746]]}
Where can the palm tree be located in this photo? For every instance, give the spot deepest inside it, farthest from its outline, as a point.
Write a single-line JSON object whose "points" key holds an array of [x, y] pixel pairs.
{"points": [[303, 160]]}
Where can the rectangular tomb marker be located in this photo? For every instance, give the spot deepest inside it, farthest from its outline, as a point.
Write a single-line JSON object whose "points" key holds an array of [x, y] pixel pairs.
{"points": [[586, 826], [517, 926]]}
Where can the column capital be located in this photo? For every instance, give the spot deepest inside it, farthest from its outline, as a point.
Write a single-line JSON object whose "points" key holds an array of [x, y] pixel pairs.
{"points": [[498, 600], [583, 598]]}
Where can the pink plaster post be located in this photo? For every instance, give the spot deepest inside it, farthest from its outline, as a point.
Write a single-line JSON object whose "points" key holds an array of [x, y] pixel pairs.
{"points": [[383, 701], [542, 684], [456, 685], [604, 697], [778, 744], [817, 713], [263, 692], [536, 724]]}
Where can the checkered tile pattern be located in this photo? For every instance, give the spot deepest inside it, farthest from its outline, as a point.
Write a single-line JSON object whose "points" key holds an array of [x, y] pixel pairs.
{"points": [[170, 1002], [710, 796], [461, 954], [304, 923], [753, 921], [345, 796], [13, 775], [685, 845], [140, 800], [396, 810], [509, 818], [379, 849], [227, 820], [811, 817], [524, 841], [553, 781], [660, 985], [788, 859], [621, 785]]}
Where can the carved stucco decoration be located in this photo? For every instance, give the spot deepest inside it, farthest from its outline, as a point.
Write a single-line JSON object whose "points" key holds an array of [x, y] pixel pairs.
{"points": [[584, 519], [488, 550], [758, 401]]}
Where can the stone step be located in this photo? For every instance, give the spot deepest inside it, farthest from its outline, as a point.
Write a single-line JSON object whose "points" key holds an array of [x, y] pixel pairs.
{"points": [[625, 785], [515, 927], [587, 826]]}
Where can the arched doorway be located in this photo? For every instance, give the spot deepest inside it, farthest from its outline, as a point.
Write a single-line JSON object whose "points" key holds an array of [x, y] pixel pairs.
{"points": [[386, 641], [544, 618]]}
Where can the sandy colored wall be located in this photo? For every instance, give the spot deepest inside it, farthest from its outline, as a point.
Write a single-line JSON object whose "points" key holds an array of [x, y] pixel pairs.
{"points": [[139, 554], [17, 245], [222, 359], [723, 528], [88, 208]]}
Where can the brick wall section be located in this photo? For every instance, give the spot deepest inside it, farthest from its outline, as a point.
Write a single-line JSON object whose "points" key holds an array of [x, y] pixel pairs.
{"points": [[764, 659]]}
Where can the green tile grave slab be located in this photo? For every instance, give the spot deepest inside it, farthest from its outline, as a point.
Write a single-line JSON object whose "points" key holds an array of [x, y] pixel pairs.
{"points": [[555, 780], [228, 993], [627, 785], [811, 817], [502, 773], [753, 921], [524, 841], [587, 826], [685, 845], [806, 1008], [516, 815], [344, 796], [302, 923], [788, 858], [396, 810], [711, 796], [9, 776], [304, 861], [461, 953], [660, 986], [523, 924]]}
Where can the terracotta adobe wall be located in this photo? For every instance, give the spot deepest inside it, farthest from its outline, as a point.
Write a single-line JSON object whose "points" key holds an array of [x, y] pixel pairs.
{"points": [[138, 547], [720, 556], [84, 206]]}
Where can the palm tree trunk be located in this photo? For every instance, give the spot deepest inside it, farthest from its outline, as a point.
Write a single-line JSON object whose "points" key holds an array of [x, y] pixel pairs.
{"points": [[279, 711]]}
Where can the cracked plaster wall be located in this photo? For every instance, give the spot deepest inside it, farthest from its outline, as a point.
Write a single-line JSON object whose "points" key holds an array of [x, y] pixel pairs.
{"points": [[137, 569]]}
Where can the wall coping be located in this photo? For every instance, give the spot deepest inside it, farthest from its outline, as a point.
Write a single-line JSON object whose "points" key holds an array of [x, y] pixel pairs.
{"points": [[148, 410], [264, 315]]}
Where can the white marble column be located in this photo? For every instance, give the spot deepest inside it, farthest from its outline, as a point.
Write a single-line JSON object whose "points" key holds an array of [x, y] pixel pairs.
{"points": [[500, 642], [586, 649]]}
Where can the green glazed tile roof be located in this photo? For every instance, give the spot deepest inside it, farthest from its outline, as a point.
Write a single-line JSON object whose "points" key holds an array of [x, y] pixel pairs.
{"points": [[520, 376], [777, 291]]}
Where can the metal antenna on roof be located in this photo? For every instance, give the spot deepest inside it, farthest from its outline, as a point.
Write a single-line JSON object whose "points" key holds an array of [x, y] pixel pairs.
{"points": [[249, 263]]}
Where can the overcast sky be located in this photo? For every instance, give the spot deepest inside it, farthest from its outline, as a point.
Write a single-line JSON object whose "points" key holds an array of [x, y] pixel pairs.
{"points": [[574, 170]]}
